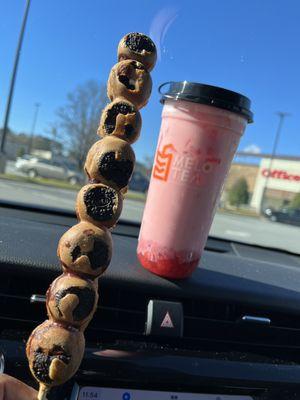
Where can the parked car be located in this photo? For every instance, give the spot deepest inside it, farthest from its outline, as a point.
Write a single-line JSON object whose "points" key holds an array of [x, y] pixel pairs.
{"points": [[285, 215], [35, 166], [139, 183]]}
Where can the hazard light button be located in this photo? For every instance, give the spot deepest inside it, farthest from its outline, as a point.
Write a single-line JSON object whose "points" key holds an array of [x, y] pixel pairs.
{"points": [[164, 318]]}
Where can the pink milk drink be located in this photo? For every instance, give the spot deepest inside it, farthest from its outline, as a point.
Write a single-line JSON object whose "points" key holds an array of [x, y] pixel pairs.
{"points": [[200, 131]]}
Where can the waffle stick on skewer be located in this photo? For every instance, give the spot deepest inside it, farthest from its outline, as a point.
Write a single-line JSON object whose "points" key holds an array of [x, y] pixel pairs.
{"points": [[56, 347]]}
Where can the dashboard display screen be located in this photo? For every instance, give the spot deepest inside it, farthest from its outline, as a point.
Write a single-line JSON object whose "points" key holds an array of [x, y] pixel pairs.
{"points": [[98, 393]]}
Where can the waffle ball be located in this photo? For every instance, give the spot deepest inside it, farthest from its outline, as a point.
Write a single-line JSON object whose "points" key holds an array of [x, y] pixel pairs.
{"points": [[72, 300], [110, 161], [85, 249], [54, 353], [121, 119], [131, 80], [139, 47], [99, 204]]}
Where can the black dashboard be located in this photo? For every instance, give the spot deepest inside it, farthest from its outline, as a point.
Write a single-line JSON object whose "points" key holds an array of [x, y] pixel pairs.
{"points": [[238, 314]]}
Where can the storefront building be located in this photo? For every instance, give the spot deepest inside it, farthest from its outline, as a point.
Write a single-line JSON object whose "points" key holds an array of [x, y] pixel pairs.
{"points": [[276, 184]]}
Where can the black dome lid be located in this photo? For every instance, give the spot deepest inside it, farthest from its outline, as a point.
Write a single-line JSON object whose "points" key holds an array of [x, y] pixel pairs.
{"points": [[209, 95]]}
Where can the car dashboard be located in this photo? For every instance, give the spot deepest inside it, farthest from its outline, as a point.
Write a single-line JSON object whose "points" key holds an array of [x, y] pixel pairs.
{"points": [[231, 331]]}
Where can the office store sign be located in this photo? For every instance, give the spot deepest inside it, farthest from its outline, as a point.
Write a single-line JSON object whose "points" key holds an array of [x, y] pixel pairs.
{"points": [[280, 174]]}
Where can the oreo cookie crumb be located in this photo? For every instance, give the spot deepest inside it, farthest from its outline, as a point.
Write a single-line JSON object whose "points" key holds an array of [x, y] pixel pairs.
{"points": [[137, 42], [113, 112], [117, 171], [100, 202], [125, 80], [42, 362], [99, 255], [75, 253], [86, 303], [129, 130]]}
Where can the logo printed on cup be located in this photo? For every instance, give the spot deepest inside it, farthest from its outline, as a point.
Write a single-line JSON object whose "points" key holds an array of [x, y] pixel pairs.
{"points": [[189, 169], [184, 168], [163, 162]]}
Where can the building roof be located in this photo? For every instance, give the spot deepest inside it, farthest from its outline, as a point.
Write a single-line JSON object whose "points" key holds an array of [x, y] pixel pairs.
{"points": [[266, 155]]}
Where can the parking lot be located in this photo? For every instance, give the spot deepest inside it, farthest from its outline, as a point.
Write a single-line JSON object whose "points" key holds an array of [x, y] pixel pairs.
{"points": [[234, 227]]}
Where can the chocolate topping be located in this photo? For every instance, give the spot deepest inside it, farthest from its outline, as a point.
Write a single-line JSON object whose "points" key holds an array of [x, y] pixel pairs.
{"points": [[113, 112], [118, 171], [75, 253], [137, 46], [86, 299], [125, 80], [130, 79], [129, 130], [138, 42], [126, 73], [42, 362], [100, 202], [100, 254], [120, 119], [41, 366]]}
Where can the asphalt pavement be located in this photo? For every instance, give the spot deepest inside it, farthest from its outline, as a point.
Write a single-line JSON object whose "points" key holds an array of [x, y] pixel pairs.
{"points": [[53, 197], [234, 227]]}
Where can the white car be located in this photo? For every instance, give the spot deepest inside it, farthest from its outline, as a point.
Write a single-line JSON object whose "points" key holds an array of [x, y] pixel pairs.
{"points": [[35, 166]]}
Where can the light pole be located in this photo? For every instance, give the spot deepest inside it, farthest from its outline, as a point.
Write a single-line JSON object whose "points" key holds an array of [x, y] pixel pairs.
{"points": [[281, 116], [35, 115], [11, 88]]}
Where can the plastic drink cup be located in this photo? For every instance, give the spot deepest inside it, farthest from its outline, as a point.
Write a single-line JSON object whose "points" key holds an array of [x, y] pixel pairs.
{"points": [[200, 131]]}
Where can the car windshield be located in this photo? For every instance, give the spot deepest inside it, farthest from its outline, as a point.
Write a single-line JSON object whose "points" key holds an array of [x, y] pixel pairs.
{"points": [[53, 88]]}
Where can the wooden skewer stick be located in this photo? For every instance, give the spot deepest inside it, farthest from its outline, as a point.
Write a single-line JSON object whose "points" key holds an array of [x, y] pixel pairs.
{"points": [[43, 392]]}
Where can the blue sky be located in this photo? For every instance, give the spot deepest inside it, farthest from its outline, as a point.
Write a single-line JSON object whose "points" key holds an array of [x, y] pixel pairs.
{"points": [[251, 47]]}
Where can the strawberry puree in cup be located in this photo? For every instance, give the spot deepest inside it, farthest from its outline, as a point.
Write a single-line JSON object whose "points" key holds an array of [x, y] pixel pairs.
{"points": [[200, 131]]}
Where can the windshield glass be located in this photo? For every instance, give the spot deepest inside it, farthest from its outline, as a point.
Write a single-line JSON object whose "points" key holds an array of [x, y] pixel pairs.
{"points": [[59, 90]]}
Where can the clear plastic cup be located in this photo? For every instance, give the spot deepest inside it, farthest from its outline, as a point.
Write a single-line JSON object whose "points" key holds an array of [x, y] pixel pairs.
{"points": [[200, 131]]}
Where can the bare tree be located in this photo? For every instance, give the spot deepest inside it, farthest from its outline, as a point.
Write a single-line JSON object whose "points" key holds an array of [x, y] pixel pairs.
{"points": [[78, 120]]}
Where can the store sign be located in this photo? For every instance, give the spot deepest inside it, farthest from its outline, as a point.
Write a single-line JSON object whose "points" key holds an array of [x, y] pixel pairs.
{"points": [[280, 174]]}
